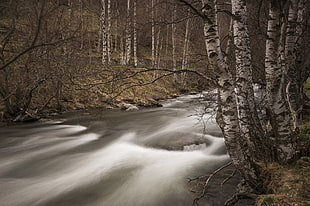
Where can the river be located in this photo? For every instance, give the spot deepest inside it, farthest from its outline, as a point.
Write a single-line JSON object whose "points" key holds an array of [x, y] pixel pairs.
{"points": [[114, 158]]}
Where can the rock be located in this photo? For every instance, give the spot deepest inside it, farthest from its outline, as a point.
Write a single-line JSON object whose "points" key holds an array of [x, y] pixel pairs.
{"points": [[149, 103], [129, 107], [133, 108], [174, 95], [193, 92], [79, 106]]}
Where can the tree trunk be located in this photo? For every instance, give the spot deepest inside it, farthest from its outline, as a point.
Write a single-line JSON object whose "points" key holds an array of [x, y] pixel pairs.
{"points": [[135, 57], [109, 40], [185, 46], [103, 32], [82, 25], [173, 39], [128, 35], [292, 50], [153, 33], [275, 86], [249, 123], [235, 143]]}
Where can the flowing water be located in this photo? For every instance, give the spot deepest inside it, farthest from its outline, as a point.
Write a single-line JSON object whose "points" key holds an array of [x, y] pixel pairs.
{"points": [[114, 158]]}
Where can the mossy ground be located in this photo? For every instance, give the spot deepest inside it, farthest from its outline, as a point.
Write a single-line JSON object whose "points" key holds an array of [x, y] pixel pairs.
{"points": [[290, 184]]}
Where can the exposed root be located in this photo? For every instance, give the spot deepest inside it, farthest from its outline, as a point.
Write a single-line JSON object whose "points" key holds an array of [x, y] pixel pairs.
{"points": [[206, 183], [239, 196], [228, 178]]}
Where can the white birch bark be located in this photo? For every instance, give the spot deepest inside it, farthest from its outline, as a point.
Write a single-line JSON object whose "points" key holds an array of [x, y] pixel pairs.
{"points": [[249, 123], [109, 40], [103, 32], [173, 39], [153, 33], [292, 50], [158, 50], [275, 88], [82, 25], [185, 46], [167, 45], [236, 146], [135, 43], [128, 35], [122, 53]]}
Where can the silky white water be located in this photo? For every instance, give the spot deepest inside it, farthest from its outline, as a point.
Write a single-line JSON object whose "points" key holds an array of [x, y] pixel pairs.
{"points": [[115, 159]]}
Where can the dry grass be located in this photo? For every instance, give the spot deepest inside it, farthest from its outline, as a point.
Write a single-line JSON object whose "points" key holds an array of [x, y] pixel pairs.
{"points": [[289, 185]]}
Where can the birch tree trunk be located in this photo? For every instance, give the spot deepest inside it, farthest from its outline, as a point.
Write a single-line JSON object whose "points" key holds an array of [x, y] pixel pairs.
{"points": [[235, 144], [248, 119], [173, 39], [82, 25], [153, 33], [103, 32], [158, 51], [292, 50], [122, 52], [128, 35], [135, 43], [185, 46], [275, 86], [109, 40]]}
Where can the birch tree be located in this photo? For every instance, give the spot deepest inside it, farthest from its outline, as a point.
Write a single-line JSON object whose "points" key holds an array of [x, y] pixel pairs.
{"points": [[173, 38], [275, 85], [185, 45], [153, 32], [248, 119], [135, 43], [82, 24], [128, 35], [109, 39], [294, 31], [103, 31], [227, 118]]}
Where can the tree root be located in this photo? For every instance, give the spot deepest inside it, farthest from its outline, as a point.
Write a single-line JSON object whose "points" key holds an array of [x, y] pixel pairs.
{"points": [[206, 183], [239, 196]]}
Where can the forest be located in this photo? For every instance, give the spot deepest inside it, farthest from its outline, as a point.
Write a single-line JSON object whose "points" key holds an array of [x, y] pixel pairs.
{"points": [[59, 56]]}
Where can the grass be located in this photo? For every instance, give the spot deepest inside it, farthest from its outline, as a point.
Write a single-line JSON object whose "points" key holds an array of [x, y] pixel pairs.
{"points": [[290, 184]]}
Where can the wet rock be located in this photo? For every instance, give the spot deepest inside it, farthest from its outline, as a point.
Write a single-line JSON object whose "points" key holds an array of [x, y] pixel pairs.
{"points": [[149, 103], [179, 142], [79, 106], [129, 107]]}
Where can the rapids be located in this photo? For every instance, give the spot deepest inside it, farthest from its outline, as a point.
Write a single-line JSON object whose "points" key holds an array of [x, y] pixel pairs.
{"points": [[114, 158]]}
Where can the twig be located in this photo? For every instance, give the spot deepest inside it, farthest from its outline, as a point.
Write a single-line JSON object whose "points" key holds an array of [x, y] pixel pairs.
{"points": [[204, 191]]}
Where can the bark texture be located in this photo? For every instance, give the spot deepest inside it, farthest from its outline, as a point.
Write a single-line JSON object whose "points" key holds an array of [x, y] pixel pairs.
{"points": [[275, 86], [236, 145], [250, 126], [103, 31]]}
